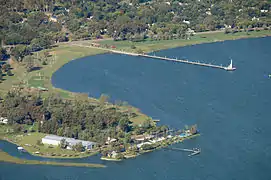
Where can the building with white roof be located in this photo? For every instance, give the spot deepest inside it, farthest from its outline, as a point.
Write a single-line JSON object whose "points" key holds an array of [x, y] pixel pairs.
{"points": [[3, 120], [55, 140]]}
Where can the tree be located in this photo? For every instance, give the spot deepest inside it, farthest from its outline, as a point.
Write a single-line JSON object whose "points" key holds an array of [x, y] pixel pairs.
{"points": [[193, 129], [29, 63], [124, 124], [63, 143], [19, 52], [39, 142], [147, 147], [127, 138], [103, 99], [78, 147], [1, 75], [3, 54]]}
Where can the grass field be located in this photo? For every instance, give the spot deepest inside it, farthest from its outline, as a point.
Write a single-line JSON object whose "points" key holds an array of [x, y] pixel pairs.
{"points": [[29, 143], [5, 157], [149, 45], [42, 78]]}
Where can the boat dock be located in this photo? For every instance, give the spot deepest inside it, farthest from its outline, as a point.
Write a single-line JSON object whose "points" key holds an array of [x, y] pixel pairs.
{"points": [[227, 68], [193, 151]]}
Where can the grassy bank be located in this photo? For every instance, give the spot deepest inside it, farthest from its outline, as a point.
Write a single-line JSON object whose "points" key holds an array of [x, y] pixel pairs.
{"points": [[5, 157], [149, 45], [29, 143], [42, 77]]}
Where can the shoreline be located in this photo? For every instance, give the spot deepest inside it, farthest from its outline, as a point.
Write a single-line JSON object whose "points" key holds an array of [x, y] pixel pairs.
{"points": [[160, 49], [3, 138], [5, 157]]}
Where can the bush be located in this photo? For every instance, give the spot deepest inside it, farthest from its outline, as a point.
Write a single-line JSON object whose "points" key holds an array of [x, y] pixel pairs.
{"points": [[133, 47], [39, 143], [9, 73]]}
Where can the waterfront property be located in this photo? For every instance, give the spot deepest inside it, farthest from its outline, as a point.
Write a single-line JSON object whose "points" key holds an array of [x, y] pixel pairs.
{"points": [[56, 140], [3, 120]]}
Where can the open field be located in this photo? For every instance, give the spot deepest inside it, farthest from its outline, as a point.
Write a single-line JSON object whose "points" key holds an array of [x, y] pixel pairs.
{"points": [[5, 157], [42, 77], [29, 143], [149, 45]]}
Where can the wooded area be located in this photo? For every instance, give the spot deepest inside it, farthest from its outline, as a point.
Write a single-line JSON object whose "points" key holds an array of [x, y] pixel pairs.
{"points": [[36, 24], [70, 118]]}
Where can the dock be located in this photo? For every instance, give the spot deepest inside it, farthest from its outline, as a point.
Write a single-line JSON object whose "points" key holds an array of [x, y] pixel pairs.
{"points": [[227, 68], [193, 151]]}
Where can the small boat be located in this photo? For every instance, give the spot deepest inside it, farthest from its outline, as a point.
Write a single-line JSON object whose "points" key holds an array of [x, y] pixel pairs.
{"points": [[196, 151], [21, 149], [230, 67], [269, 75]]}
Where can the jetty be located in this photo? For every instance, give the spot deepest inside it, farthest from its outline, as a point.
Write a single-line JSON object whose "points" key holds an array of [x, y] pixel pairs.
{"points": [[193, 151], [227, 68]]}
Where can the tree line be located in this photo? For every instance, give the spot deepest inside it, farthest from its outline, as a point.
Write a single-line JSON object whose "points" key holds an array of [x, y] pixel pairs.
{"points": [[37, 24], [80, 119]]}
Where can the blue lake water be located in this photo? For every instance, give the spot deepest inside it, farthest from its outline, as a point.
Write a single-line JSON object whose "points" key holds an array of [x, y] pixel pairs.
{"points": [[232, 110]]}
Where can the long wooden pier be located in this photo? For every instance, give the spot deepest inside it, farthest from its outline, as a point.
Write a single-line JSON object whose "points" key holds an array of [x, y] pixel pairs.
{"points": [[227, 68], [193, 151]]}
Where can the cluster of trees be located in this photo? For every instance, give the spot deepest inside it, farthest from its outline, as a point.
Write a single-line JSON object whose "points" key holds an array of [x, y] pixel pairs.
{"points": [[33, 25], [5, 70], [29, 22], [77, 147], [78, 119]]}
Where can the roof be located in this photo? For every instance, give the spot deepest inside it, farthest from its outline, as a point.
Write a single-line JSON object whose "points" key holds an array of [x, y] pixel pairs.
{"points": [[71, 141]]}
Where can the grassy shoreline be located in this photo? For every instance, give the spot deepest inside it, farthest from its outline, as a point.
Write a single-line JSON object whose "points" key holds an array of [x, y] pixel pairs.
{"points": [[149, 46], [28, 142], [5, 157], [66, 53]]}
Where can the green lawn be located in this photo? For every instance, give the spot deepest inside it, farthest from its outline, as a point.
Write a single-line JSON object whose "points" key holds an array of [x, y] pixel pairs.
{"points": [[29, 142], [42, 78], [149, 45]]}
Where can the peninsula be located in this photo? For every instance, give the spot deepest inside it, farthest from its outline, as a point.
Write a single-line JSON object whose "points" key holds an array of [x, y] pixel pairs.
{"points": [[39, 38]]}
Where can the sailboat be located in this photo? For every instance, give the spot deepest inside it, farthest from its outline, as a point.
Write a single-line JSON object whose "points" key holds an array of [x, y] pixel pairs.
{"points": [[230, 67]]}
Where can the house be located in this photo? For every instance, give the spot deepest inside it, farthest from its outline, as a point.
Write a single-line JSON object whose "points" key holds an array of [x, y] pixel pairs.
{"points": [[185, 134], [190, 32], [110, 140], [255, 19], [53, 19], [55, 140], [141, 144], [142, 137], [3, 120], [264, 11], [186, 22], [95, 44]]}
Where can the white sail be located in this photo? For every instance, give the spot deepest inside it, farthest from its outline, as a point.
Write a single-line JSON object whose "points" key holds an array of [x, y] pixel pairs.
{"points": [[230, 66]]}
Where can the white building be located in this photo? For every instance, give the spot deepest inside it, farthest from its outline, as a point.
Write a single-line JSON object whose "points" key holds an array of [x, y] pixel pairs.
{"points": [[186, 22], [55, 140], [264, 11], [3, 120], [53, 19]]}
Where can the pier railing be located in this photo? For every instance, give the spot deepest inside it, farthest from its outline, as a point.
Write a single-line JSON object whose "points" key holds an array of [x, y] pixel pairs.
{"points": [[158, 57]]}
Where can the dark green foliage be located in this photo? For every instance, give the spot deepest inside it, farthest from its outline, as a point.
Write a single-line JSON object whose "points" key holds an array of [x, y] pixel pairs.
{"points": [[71, 118], [78, 147], [39, 143], [63, 144], [24, 21], [3, 54], [148, 146], [19, 52]]}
